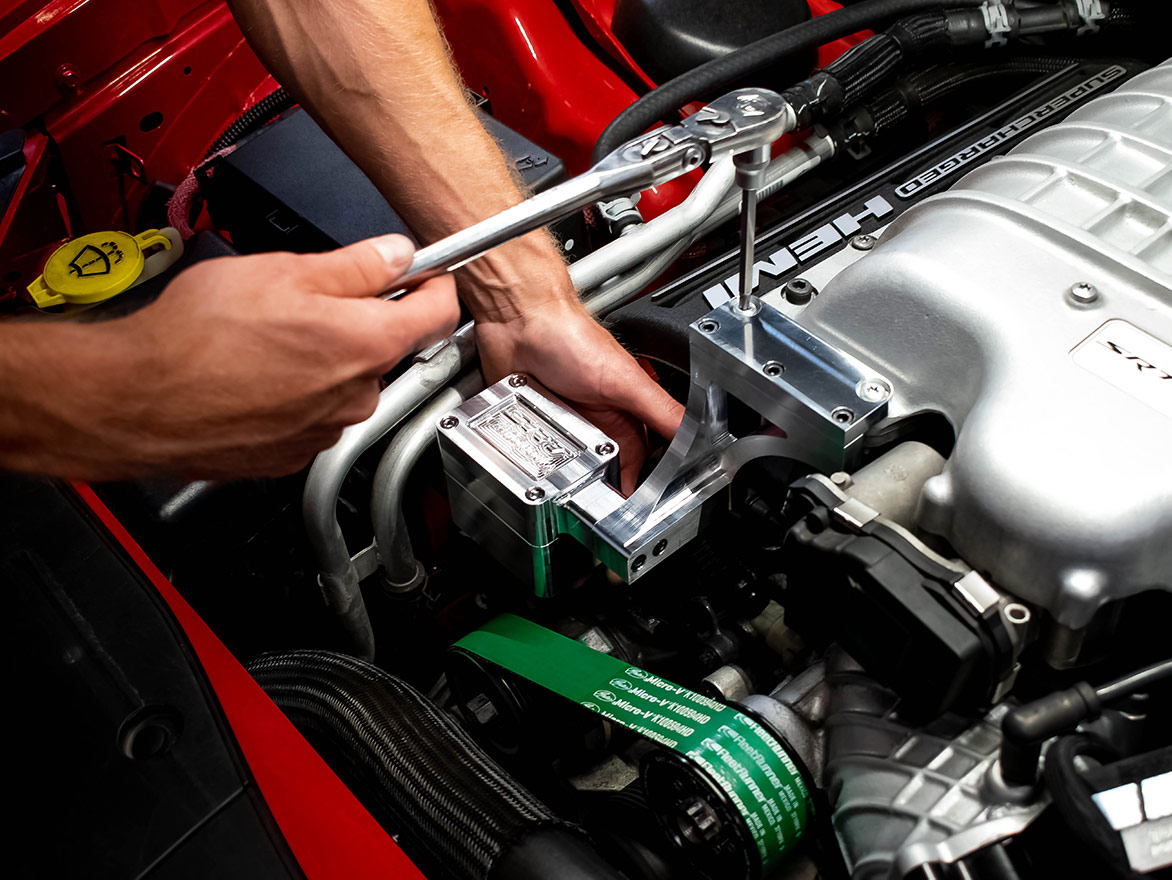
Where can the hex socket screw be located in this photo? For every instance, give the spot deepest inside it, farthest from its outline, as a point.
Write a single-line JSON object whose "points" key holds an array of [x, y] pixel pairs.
{"points": [[534, 493], [799, 291], [518, 381], [449, 422], [604, 448]]}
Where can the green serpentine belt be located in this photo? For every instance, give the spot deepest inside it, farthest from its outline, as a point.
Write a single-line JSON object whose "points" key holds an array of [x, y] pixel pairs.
{"points": [[733, 750]]}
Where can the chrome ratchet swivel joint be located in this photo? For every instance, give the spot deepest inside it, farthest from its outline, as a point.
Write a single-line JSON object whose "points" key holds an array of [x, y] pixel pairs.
{"points": [[745, 121]]}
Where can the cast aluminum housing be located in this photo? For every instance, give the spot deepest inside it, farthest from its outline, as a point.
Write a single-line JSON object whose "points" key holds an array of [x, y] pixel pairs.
{"points": [[1031, 305]]}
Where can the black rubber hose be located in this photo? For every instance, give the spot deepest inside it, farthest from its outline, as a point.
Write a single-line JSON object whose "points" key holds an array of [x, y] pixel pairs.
{"points": [[420, 775], [702, 81], [913, 92], [264, 110], [1072, 798]]}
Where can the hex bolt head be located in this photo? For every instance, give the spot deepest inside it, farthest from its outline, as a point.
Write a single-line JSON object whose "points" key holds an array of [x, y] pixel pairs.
{"points": [[863, 242], [799, 291], [67, 77], [604, 448], [449, 422], [873, 390], [1084, 293], [534, 493], [518, 381]]}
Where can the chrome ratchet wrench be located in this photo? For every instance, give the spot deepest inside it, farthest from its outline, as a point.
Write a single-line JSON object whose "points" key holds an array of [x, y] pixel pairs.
{"points": [[743, 122]]}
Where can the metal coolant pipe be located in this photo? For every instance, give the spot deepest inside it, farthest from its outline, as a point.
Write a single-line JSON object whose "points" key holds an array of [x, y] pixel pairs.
{"points": [[338, 576], [401, 569]]}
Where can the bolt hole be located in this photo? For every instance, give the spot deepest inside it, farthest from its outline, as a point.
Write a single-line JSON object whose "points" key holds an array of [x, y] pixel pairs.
{"points": [[151, 121], [1017, 613], [149, 732], [660, 546], [708, 326], [187, 71], [773, 368], [638, 562]]}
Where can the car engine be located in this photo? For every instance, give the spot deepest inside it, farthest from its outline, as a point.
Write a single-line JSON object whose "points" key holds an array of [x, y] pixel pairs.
{"points": [[892, 602]]}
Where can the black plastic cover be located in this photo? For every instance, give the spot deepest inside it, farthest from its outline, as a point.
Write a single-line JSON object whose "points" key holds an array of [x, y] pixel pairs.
{"points": [[289, 187], [891, 606], [670, 37], [120, 763]]}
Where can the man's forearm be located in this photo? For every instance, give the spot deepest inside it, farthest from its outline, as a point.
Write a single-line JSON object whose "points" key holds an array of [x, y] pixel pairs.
{"points": [[49, 370], [376, 75]]}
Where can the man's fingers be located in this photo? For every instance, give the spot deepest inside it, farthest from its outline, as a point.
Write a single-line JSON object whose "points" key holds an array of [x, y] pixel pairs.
{"points": [[364, 269], [357, 400], [643, 398], [413, 322]]}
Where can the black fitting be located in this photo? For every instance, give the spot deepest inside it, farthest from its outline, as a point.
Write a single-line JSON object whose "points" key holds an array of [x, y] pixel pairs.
{"points": [[1027, 726], [708, 78]]}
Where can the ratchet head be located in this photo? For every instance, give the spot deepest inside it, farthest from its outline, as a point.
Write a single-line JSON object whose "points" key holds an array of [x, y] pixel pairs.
{"points": [[743, 120]]}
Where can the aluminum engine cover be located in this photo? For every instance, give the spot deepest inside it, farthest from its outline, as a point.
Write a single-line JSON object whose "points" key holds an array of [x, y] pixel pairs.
{"points": [[1060, 485]]}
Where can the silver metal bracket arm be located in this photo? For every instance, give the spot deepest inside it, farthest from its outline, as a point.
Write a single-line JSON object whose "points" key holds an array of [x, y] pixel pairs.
{"points": [[522, 468]]}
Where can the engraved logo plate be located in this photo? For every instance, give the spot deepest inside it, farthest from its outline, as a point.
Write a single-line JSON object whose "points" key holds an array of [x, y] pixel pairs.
{"points": [[1132, 360], [519, 433]]}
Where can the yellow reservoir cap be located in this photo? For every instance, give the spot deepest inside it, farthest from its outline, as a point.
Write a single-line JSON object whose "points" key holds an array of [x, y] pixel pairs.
{"points": [[101, 265]]}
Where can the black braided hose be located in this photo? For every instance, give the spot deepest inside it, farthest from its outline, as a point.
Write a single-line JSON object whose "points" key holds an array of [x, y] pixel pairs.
{"points": [[418, 772]]}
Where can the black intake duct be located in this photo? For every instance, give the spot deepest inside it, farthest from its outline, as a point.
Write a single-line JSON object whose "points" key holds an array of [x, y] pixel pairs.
{"points": [[420, 775]]}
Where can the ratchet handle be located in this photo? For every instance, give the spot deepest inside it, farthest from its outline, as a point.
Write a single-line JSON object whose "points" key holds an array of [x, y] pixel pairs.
{"points": [[742, 120]]}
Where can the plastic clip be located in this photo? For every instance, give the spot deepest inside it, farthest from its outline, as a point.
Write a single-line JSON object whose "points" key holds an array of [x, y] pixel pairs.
{"points": [[1091, 12], [996, 23]]}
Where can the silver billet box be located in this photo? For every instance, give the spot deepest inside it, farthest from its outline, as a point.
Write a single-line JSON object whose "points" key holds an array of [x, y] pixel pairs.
{"points": [[510, 454]]}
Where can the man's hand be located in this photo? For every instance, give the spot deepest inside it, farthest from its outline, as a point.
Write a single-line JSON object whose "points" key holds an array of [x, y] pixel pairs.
{"points": [[245, 366], [561, 346]]}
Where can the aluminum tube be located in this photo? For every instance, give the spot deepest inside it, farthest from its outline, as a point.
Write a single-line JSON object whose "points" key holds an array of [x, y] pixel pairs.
{"points": [[402, 571], [646, 240], [338, 577], [620, 289]]}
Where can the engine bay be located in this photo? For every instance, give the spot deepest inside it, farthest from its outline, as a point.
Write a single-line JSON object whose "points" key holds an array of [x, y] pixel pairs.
{"points": [[892, 602]]}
